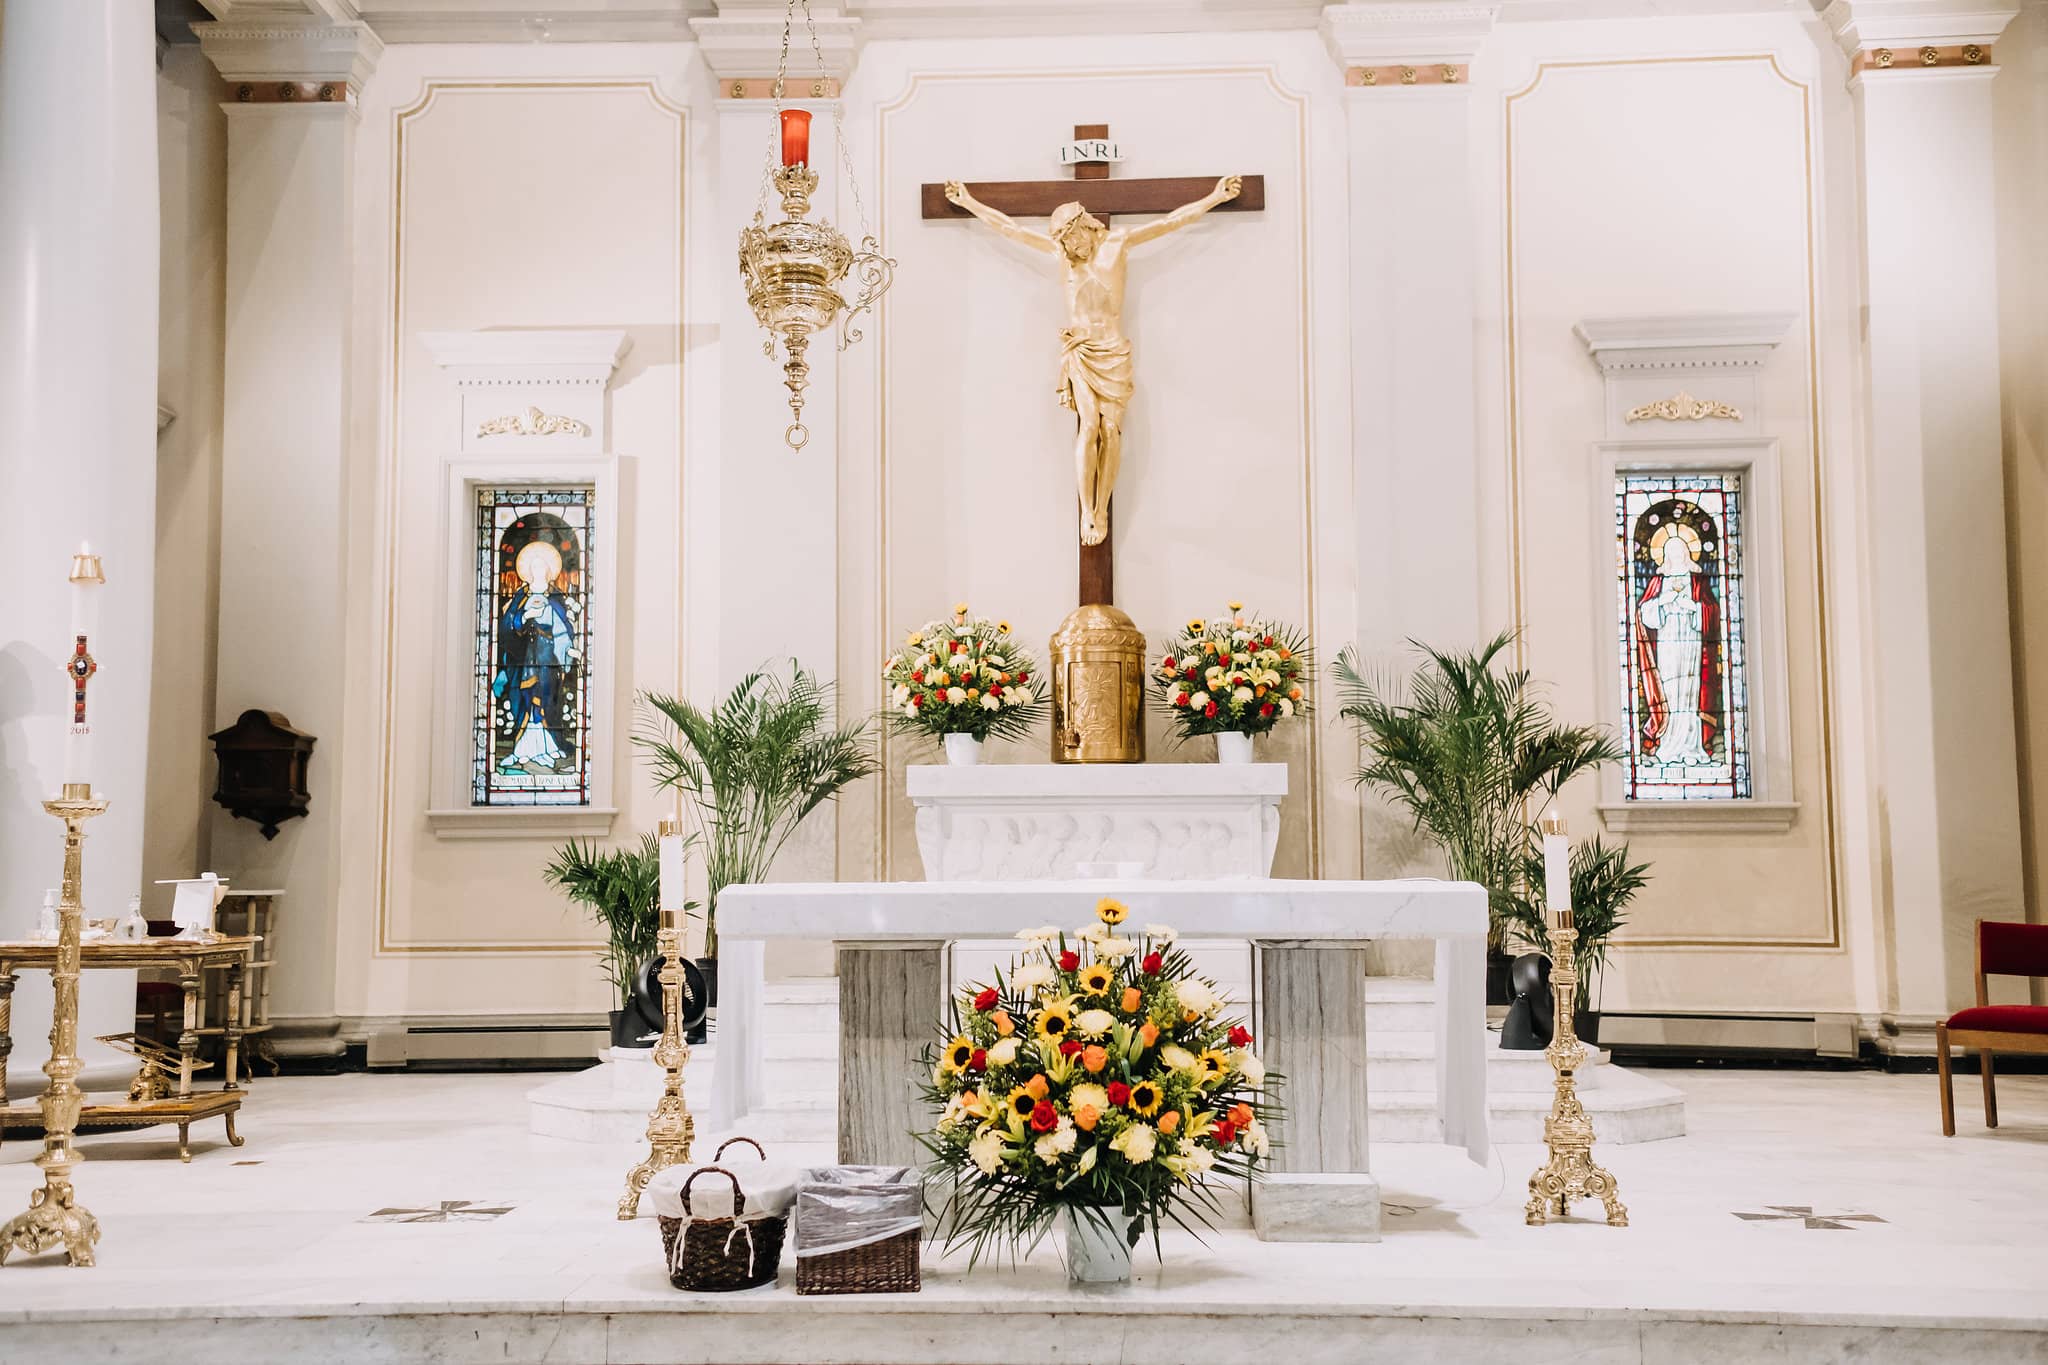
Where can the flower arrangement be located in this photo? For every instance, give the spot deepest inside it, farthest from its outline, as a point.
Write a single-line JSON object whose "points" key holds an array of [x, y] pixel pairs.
{"points": [[1100, 1077], [1234, 676], [966, 676]]}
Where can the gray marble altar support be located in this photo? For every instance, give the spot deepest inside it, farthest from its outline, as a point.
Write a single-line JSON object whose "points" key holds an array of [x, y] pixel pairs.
{"points": [[890, 998], [1312, 1031]]}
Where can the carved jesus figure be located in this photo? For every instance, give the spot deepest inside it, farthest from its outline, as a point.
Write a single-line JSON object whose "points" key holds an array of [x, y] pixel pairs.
{"points": [[1095, 355]]}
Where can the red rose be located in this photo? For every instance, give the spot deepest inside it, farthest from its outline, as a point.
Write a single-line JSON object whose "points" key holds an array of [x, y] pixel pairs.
{"points": [[986, 1000], [956, 646], [1070, 1047], [1268, 709], [1168, 664], [1209, 710], [1044, 1118], [1070, 961], [995, 689], [918, 676], [1153, 964], [978, 1061], [1225, 1133], [1269, 642], [1223, 658], [1119, 1093], [1023, 677], [1189, 675], [1240, 1036], [917, 701], [1180, 699]]}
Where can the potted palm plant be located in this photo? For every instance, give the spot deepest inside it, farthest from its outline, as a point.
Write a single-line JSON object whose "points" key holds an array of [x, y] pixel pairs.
{"points": [[753, 766], [622, 890], [1470, 751], [1603, 883]]}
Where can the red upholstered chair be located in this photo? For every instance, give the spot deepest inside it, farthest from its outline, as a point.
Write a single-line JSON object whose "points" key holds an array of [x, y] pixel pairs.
{"points": [[2002, 950]]}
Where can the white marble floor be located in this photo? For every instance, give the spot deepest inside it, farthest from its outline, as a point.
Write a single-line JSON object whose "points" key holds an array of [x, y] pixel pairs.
{"points": [[416, 1218]]}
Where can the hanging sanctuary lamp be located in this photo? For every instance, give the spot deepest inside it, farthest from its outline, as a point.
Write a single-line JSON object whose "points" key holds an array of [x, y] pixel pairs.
{"points": [[795, 270]]}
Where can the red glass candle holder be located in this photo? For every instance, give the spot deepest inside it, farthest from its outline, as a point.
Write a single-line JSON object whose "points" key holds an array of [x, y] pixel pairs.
{"points": [[796, 137]]}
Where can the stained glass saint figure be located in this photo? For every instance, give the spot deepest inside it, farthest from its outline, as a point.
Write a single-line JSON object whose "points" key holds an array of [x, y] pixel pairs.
{"points": [[532, 647], [1681, 678], [536, 649]]}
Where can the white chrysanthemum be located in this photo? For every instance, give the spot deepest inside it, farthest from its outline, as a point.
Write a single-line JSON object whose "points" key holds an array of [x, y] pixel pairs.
{"points": [[1055, 1144], [1250, 1067], [1199, 700], [1195, 995], [1255, 1137], [1178, 1058], [901, 695], [1136, 1142], [1286, 707], [956, 695], [1045, 933], [1115, 949], [1241, 696], [1088, 1096], [991, 702], [1092, 933], [910, 711], [1032, 976], [1164, 933], [1093, 1023], [986, 1151], [1019, 696], [1003, 1053]]}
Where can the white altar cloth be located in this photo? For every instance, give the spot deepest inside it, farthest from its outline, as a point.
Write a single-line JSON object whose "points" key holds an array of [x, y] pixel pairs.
{"points": [[1262, 910]]}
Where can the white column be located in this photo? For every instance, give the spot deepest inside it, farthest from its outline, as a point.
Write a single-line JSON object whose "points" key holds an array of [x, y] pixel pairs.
{"points": [[1414, 375], [1944, 737], [78, 367], [286, 504]]}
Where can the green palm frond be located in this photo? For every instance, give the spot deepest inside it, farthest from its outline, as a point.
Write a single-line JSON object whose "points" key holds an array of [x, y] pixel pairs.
{"points": [[622, 890], [753, 766], [1603, 883]]}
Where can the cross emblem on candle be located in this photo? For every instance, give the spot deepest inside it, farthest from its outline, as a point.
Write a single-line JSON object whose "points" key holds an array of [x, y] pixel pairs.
{"points": [[81, 667]]}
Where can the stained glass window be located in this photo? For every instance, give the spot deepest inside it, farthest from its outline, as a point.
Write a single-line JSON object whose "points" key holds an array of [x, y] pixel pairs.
{"points": [[532, 682], [1682, 650]]}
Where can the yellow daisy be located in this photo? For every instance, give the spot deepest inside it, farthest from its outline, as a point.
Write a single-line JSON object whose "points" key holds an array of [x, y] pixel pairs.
{"points": [[1145, 1098], [959, 1051], [1112, 911], [1096, 978], [1055, 1022], [1212, 1066]]}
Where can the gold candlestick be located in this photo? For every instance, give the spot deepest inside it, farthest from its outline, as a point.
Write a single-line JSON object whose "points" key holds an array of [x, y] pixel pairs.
{"points": [[670, 1128], [1569, 1173], [53, 1215]]}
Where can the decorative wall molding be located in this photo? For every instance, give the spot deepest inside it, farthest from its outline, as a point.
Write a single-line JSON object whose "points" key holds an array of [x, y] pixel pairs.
{"points": [[1924, 58], [743, 45], [272, 57], [1406, 74], [795, 88], [533, 422], [530, 390], [1906, 27], [1395, 36], [1683, 407], [1708, 341]]}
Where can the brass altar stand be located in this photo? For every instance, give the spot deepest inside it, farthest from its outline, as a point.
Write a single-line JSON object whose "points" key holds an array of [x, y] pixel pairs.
{"points": [[191, 961]]}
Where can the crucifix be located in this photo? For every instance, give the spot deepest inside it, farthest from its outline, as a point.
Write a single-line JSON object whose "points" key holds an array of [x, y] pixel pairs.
{"points": [[1095, 356]]}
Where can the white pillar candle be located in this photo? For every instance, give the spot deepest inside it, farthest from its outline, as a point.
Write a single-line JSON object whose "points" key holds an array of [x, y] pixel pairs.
{"points": [[1557, 869], [86, 580], [673, 892]]}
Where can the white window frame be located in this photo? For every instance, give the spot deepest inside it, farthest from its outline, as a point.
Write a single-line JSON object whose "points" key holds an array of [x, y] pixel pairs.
{"points": [[451, 814], [1772, 805]]}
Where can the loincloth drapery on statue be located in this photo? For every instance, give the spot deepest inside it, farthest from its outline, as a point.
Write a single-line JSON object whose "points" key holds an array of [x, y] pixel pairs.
{"points": [[1102, 367]]}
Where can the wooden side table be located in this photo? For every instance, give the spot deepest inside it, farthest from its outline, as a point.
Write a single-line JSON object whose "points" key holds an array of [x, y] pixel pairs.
{"points": [[191, 961], [250, 914]]}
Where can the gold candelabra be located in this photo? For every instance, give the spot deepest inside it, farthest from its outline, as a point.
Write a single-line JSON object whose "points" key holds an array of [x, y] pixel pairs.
{"points": [[54, 1215], [670, 1127], [1569, 1173]]}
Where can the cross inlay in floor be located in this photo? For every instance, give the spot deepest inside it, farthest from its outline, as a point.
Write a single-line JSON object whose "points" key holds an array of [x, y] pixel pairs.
{"points": [[448, 1211], [1804, 1214]]}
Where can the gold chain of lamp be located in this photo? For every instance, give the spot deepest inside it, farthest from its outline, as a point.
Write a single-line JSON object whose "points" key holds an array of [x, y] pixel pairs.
{"points": [[795, 270]]}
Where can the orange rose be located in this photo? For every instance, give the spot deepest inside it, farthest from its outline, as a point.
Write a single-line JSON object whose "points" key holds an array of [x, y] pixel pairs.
{"points": [[1085, 1116], [1169, 1121], [1036, 1087], [1095, 1057], [1259, 691], [1005, 1026], [1189, 1016], [1241, 1115], [1149, 1034], [1133, 997]]}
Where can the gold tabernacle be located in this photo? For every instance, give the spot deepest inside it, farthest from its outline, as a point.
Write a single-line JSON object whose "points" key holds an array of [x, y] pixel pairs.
{"points": [[1098, 687]]}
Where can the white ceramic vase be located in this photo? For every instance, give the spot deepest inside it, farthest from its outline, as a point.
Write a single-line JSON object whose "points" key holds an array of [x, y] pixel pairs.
{"points": [[1098, 1248], [963, 750], [1233, 747]]}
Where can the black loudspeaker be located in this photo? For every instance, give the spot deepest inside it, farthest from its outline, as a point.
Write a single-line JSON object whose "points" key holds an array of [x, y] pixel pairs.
{"points": [[1532, 1016], [646, 1002]]}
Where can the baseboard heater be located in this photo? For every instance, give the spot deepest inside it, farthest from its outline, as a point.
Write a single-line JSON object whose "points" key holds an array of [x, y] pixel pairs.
{"points": [[485, 1043], [1730, 1035]]}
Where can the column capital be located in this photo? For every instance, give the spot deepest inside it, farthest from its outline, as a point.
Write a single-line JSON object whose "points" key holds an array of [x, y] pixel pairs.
{"points": [[1392, 43], [743, 42], [285, 63], [1916, 35]]}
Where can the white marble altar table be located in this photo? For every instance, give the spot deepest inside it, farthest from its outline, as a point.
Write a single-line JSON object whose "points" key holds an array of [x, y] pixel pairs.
{"points": [[1309, 1007]]}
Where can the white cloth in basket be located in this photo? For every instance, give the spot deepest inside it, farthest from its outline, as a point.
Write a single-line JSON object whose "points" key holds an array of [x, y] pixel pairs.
{"points": [[769, 1187]]}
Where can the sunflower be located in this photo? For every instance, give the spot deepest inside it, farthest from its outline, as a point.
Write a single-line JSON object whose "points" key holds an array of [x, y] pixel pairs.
{"points": [[1195, 626], [1145, 1098], [1055, 1021], [959, 1051], [1021, 1102], [1096, 978], [1236, 606], [1003, 626], [1110, 910], [1213, 1066]]}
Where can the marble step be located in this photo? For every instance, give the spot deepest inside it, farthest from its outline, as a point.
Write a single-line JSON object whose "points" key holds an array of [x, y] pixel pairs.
{"points": [[1628, 1107], [1399, 1004], [1407, 1061]]}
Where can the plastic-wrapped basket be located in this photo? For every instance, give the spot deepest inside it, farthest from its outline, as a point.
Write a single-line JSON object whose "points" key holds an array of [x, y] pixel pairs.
{"points": [[716, 1240], [859, 1230]]}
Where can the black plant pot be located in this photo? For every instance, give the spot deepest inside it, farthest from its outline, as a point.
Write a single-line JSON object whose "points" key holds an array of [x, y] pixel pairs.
{"points": [[1500, 988], [1586, 1023], [628, 1029]]}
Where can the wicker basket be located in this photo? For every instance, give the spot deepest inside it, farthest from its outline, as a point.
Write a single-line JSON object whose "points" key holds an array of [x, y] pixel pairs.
{"points": [[867, 1207], [720, 1254]]}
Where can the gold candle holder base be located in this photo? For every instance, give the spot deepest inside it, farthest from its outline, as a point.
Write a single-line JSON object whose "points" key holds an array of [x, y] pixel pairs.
{"points": [[1570, 1173], [670, 1128], [54, 1215]]}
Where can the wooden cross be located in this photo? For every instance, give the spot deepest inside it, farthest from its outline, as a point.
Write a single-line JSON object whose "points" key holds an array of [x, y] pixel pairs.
{"points": [[1101, 196]]}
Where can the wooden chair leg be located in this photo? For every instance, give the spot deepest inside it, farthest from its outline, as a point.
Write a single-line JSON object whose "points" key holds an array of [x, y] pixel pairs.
{"points": [[1990, 1095], [1948, 1094]]}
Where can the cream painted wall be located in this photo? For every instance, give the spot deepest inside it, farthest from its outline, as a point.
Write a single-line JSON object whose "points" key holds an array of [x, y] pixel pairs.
{"points": [[192, 136]]}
